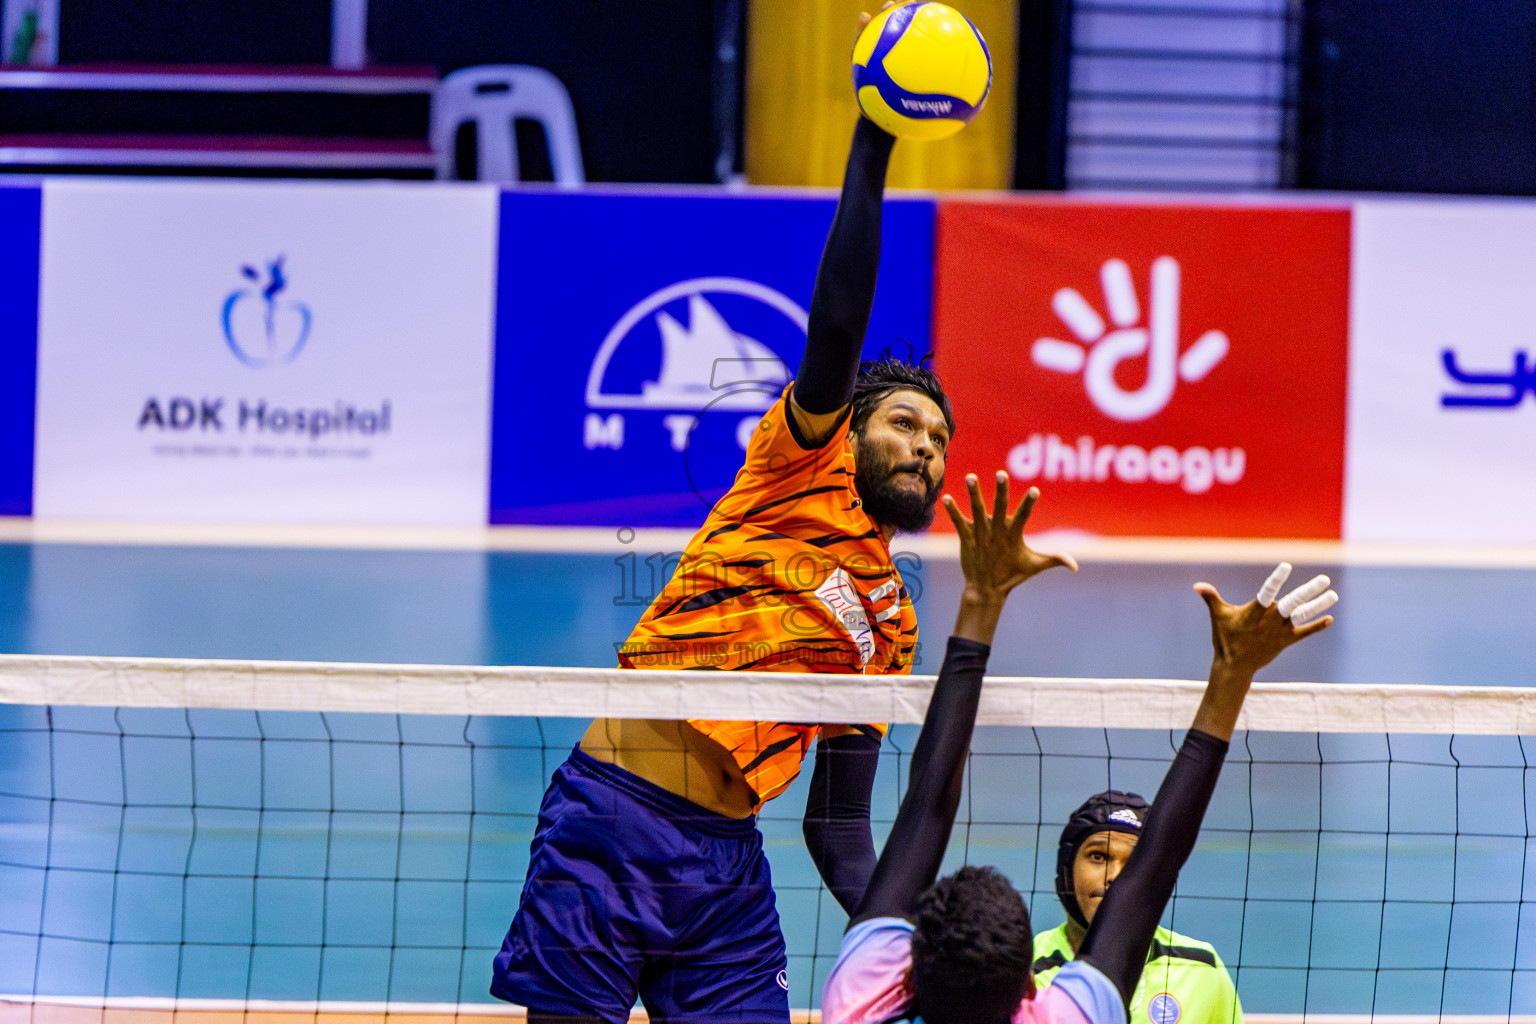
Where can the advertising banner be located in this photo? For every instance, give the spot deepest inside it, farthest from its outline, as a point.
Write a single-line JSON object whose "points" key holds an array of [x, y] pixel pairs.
{"points": [[1156, 370], [20, 224], [1442, 393], [259, 352], [640, 339]]}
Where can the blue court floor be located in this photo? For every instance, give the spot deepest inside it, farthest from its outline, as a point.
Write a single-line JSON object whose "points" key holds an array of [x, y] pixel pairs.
{"points": [[363, 857]]}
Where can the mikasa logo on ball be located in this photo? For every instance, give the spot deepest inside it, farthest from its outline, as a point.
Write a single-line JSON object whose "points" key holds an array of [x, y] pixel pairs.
{"points": [[936, 106]]}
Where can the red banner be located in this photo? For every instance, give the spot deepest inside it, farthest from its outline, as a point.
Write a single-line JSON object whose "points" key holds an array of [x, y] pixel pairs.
{"points": [[1155, 370]]}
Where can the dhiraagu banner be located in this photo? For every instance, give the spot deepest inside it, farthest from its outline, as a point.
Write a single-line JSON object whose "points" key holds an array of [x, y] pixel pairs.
{"points": [[279, 353]]}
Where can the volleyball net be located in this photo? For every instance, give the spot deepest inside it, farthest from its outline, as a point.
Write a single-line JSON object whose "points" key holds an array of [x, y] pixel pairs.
{"points": [[329, 840]]}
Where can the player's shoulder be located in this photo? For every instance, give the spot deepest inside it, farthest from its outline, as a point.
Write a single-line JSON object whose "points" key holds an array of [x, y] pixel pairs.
{"points": [[1095, 997], [779, 430], [1184, 950], [868, 983], [1052, 951], [888, 935]]}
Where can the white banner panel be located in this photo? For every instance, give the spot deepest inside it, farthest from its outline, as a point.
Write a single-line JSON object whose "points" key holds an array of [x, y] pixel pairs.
{"points": [[1442, 385], [274, 352]]}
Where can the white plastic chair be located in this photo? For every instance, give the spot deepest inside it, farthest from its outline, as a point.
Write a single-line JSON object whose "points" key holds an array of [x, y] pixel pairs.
{"points": [[493, 96]]}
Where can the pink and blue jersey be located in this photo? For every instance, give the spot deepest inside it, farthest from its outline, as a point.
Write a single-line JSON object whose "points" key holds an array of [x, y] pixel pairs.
{"points": [[868, 984]]}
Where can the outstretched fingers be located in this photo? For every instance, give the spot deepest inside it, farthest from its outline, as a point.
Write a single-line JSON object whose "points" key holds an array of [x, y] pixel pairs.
{"points": [[1271, 588], [1312, 609], [1212, 596], [1021, 514], [1315, 626], [962, 524], [1063, 559], [1304, 594], [978, 507]]}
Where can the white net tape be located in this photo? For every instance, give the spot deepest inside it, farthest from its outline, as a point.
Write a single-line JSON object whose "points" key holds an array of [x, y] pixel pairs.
{"points": [[767, 696]]}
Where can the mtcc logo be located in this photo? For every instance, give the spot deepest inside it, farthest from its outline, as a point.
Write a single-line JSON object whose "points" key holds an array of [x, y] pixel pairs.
{"points": [[705, 345], [1102, 349], [262, 327]]}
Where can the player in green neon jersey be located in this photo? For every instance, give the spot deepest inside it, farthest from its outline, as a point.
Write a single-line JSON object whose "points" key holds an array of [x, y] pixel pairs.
{"points": [[1185, 981]]}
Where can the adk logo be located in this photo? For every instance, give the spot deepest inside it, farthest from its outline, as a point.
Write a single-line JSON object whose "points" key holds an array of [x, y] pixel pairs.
{"points": [[1102, 350], [701, 347], [262, 326]]}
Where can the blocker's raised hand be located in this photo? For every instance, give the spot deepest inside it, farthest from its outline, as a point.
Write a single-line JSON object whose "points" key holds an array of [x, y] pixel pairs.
{"points": [[993, 554], [1248, 637]]}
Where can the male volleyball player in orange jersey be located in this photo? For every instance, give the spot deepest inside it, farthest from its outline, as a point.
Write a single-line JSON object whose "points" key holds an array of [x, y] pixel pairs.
{"points": [[792, 571]]}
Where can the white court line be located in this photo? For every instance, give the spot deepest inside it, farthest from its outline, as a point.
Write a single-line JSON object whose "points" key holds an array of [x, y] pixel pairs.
{"points": [[606, 540]]}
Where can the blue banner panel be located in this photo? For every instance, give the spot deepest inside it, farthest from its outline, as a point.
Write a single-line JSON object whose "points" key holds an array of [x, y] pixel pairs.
{"points": [[639, 338], [21, 215]]}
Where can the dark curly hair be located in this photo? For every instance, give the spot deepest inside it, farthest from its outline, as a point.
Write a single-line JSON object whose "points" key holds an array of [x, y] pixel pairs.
{"points": [[972, 949], [879, 377]]}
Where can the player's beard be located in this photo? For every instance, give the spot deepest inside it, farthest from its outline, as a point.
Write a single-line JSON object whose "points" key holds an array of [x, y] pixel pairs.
{"points": [[891, 505]]}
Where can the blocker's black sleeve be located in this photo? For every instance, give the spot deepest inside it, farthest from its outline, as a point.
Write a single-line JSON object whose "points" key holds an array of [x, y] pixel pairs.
{"points": [[837, 832], [1121, 933], [910, 861], [845, 281]]}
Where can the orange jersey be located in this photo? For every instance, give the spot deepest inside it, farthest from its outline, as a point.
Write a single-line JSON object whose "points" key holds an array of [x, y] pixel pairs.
{"points": [[790, 574]]}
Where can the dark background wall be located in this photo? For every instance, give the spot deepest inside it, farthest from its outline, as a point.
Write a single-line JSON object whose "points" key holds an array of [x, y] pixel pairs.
{"points": [[641, 76], [1419, 96], [195, 31], [1393, 95]]}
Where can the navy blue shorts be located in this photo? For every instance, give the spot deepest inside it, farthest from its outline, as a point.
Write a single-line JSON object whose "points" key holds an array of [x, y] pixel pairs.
{"points": [[633, 890]]}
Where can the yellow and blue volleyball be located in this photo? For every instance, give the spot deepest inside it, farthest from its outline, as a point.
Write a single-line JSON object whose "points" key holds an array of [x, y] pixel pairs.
{"points": [[921, 70]]}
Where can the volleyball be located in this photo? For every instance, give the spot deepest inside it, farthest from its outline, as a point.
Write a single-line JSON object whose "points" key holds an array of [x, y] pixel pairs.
{"points": [[921, 70]]}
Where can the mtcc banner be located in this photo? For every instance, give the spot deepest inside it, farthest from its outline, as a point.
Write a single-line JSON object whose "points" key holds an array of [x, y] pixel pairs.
{"points": [[640, 339]]}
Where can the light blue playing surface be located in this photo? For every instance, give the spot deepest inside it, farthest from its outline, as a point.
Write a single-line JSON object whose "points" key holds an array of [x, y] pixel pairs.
{"points": [[388, 859]]}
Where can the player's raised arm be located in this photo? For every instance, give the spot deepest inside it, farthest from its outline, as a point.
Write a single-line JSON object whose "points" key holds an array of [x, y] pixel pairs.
{"points": [[836, 824], [1246, 638], [845, 290], [995, 559]]}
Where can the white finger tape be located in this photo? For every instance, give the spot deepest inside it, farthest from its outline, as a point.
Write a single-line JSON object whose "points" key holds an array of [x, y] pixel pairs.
{"points": [[1302, 594], [1272, 585], [1313, 608]]}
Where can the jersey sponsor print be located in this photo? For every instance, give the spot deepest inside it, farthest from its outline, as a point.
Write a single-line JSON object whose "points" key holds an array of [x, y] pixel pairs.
{"points": [[1164, 370]]}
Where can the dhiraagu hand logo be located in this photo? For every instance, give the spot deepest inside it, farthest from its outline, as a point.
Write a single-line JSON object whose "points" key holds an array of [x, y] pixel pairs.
{"points": [[1158, 340], [262, 325]]}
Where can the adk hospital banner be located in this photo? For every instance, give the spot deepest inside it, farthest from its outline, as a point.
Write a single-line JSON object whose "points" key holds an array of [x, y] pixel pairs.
{"points": [[264, 352], [312, 353]]}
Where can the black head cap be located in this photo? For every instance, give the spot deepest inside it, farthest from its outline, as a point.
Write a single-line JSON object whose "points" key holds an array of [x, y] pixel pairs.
{"points": [[1109, 811]]}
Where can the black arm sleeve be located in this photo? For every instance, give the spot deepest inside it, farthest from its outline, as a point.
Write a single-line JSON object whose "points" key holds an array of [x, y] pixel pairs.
{"points": [[837, 814], [910, 861], [845, 281], [1122, 929]]}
